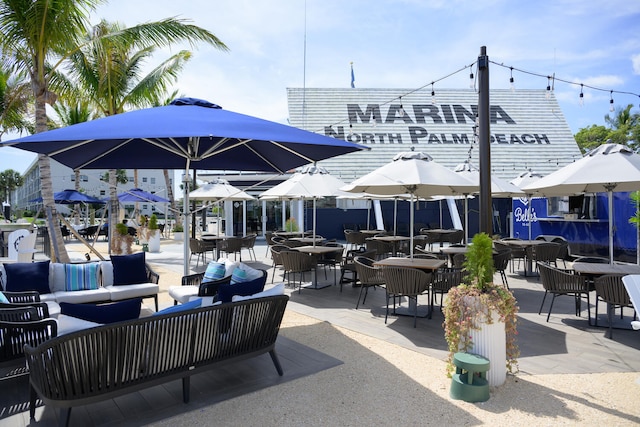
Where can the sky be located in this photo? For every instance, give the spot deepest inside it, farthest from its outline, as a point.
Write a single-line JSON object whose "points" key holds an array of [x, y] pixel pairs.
{"points": [[403, 44]]}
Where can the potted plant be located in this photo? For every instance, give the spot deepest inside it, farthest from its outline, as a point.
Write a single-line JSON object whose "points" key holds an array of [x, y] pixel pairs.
{"points": [[178, 231], [153, 234], [122, 240], [290, 225], [480, 317]]}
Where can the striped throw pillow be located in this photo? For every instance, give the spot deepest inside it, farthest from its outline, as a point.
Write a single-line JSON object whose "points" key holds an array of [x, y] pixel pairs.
{"points": [[80, 277]]}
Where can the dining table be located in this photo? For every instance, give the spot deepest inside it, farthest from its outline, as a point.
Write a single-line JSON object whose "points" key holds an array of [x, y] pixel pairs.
{"points": [[440, 235], [393, 240], [425, 264], [308, 240], [214, 239], [524, 244], [600, 269], [317, 251]]}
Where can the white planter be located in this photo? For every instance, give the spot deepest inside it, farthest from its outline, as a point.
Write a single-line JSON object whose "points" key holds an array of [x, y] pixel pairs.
{"points": [[178, 235], [154, 241], [490, 341]]}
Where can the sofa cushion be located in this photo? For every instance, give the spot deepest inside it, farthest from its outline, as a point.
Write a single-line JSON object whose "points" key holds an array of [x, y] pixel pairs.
{"points": [[81, 276], [251, 273], [239, 275], [28, 276], [120, 292], [79, 297], [129, 269], [229, 266], [215, 271], [68, 324], [226, 292], [103, 313], [274, 290], [196, 303], [3, 299]]}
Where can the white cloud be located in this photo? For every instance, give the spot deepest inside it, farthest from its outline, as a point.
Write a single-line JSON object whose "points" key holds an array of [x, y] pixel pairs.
{"points": [[635, 61]]}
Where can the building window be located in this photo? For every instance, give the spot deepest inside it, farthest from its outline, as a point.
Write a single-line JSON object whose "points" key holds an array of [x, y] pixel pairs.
{"points": [[144, 179], [103, 192], [84, 178], [153, 180]]}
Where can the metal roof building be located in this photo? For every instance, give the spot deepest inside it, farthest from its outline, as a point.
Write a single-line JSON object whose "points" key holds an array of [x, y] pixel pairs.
{"points": [[528, 129]]}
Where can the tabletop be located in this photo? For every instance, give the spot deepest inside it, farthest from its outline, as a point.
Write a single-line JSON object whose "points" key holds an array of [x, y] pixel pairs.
{"points": [[308, 239], [522, 243], [421, 263], [452, 250], [318, 250], [601, 269], [391, 238]]}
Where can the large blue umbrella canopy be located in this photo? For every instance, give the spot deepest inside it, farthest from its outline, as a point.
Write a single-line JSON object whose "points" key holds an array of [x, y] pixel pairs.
{"points": [[138, 195], [188, 134], [71, 197]]}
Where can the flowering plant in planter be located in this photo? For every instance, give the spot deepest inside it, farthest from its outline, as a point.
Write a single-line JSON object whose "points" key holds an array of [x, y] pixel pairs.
{"points": [[476, 302]]}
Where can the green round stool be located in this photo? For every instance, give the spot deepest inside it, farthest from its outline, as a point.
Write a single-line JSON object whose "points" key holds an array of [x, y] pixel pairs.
{"points": [[469, 383]]}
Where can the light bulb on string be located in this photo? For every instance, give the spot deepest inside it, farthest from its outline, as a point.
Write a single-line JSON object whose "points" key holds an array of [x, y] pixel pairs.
{"points": [[350, 129], [433, 95], [471, 80], [581, 102], [401, 108], [612, 108], [512, 86], [547, 94]]}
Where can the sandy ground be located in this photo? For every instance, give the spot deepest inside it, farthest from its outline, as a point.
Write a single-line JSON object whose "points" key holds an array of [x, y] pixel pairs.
{"points": [[383, 384]]}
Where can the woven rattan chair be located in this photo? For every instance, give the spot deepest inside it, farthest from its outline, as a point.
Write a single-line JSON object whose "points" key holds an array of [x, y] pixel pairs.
{"points": [[443, 281], [544, 252], [355, 239], [612, 291], [560, 282], [332, 260], [199, 249], [276, 250], [370, 276], [20, 326], [297, 262], [348, 265], [231, 245], [248, 242], [405, 282], [500, 263]]}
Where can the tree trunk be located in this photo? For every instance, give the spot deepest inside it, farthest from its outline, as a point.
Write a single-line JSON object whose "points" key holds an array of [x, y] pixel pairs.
{"points": [[76, 208], [136, 211], [46, 187], [172, 200], [113, 210]]}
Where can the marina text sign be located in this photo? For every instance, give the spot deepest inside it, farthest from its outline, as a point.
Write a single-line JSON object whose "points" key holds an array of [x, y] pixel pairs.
{"points": [[422, 123]]}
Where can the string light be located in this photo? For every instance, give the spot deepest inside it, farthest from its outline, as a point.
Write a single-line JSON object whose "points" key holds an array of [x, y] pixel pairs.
{"points": [[471, 79], [350, 129], [401, 108], [612, 108], [581, 102], [513, 87], [433, 95], [547, 95]]}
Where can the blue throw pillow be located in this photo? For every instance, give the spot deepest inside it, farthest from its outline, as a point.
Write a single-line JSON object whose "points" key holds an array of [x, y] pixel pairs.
{"points": [[28, 276], [226, 292], [215, 271], [104, 313], [196, 303], [80, 277], [238, 276], [129, 269]]}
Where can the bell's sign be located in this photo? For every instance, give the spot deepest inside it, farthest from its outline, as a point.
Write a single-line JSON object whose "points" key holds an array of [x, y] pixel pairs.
{"points": [[420, 121]]}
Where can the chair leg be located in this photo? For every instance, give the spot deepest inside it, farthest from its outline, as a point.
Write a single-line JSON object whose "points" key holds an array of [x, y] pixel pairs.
{"points": [[551, 307], [610, 319], [359, 297], [541, 305]]}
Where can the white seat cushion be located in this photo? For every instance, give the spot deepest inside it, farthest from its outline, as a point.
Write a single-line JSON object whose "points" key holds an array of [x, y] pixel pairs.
{"points": [[122, 292], [93, 295], [182, 294], [68, 324]]}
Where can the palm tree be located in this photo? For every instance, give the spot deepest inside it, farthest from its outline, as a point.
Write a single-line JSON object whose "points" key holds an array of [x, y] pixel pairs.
{"points": [[39, 35], [109, 72], [9, 181], [15, 100]]}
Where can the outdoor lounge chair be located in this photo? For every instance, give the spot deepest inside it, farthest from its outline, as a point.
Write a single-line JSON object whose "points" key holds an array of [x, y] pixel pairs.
{"points": [[611, 290]]}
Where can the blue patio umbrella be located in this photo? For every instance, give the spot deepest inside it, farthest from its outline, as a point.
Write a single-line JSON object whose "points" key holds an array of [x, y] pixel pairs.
{"points": [[138, 195], [71, 197], [188, 134]]}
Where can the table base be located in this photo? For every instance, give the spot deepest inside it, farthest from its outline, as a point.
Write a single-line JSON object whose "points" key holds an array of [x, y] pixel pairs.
{"points": [[422, 311], [316, 285]]}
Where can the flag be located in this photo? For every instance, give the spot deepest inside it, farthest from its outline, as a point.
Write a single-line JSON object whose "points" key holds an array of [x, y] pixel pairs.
{"points": [[353, 78]]}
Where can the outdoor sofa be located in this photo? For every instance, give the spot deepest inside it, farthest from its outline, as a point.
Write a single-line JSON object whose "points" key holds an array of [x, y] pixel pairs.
{"points": [[107, 361], [120, 278]]}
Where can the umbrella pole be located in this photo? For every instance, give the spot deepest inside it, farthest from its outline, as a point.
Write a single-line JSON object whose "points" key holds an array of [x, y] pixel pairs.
{"points": [[395, 215], [314, 222], [529, 215], [411, 228], [610, 196], [369, 214], [185, 219], [466, 219]]}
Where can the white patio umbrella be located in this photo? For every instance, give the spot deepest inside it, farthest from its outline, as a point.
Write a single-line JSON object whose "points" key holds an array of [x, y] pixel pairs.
{"points": [[218, 191], [499, 188], [525, 178], [309, 182], [413, 173], [608, 168]]}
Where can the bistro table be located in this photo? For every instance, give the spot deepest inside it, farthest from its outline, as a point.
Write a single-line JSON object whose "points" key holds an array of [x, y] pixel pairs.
{"points": [[317, 251], [426, 264], [214, 239], [289, 234], [308, 240], [394, 240], [439, 234], [524, 244], [596, 269]]}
